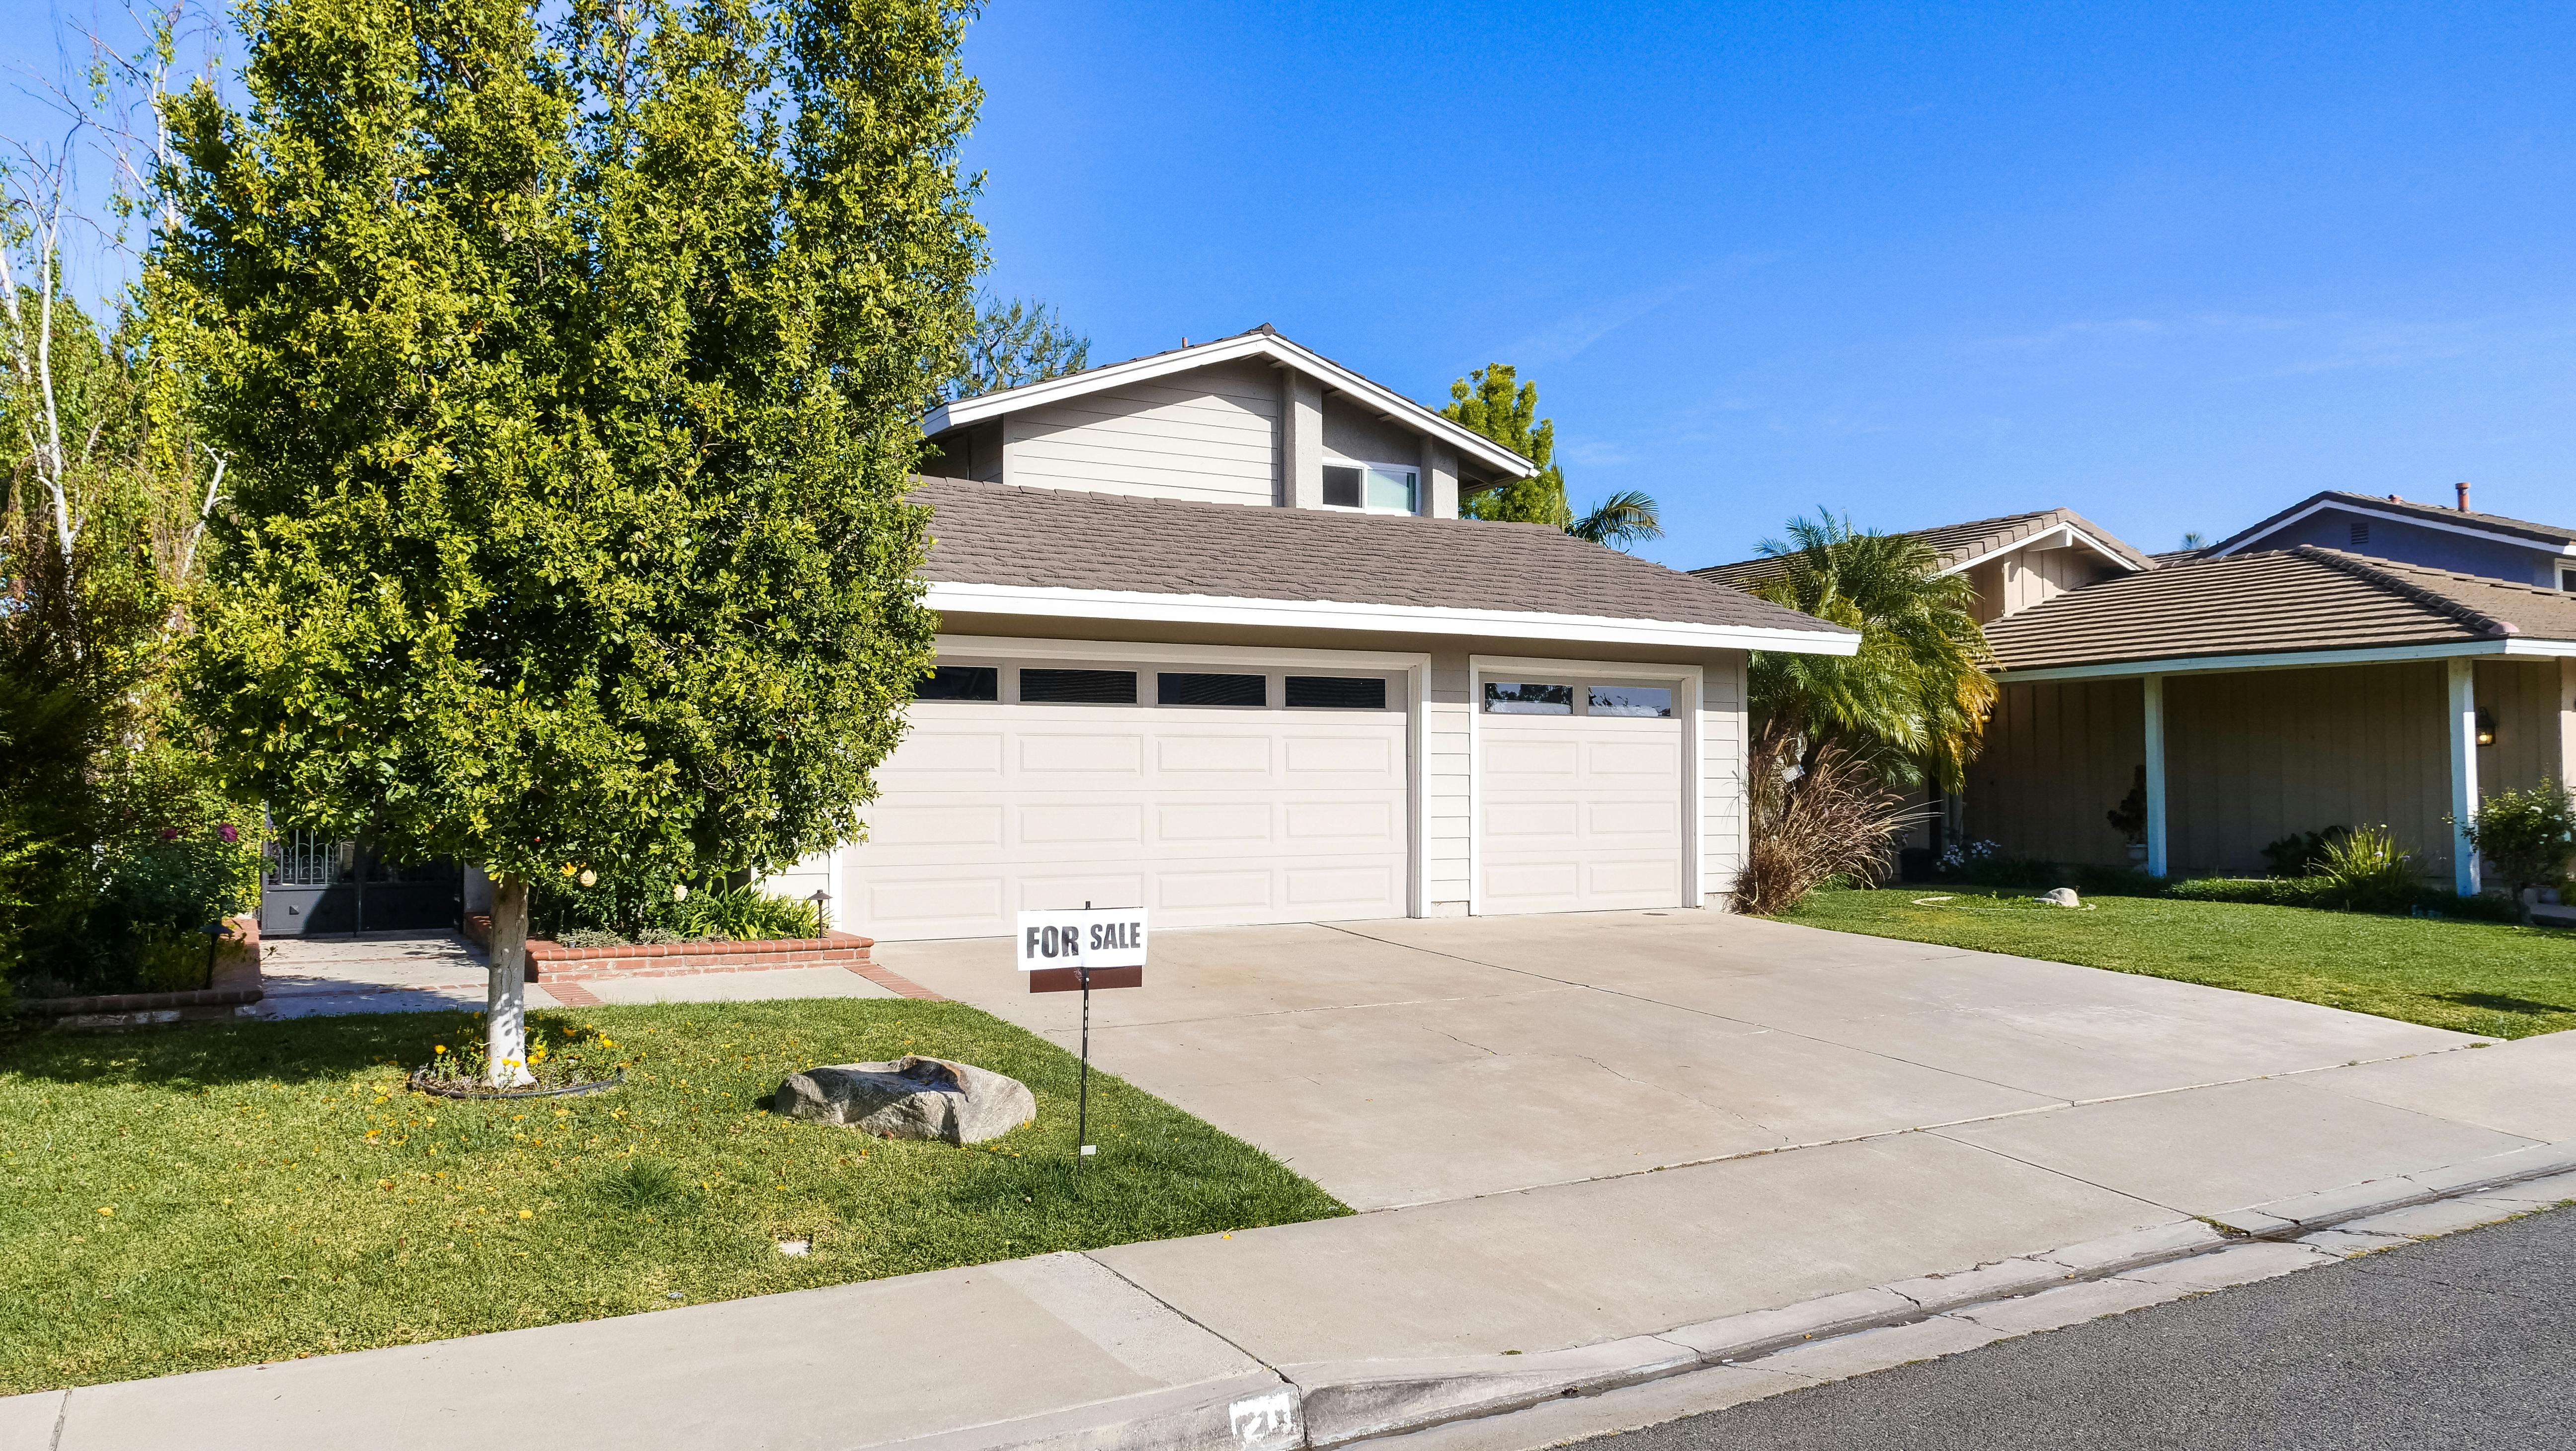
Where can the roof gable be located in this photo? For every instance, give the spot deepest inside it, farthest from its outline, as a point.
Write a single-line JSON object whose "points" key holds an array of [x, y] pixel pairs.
{"points": [[1263, 342], [2498, 527], [1963, 546]]}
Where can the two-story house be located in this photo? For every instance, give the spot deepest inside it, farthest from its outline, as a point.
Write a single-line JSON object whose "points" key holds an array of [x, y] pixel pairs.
{"points": [[1215, 640], [2457, 540]]}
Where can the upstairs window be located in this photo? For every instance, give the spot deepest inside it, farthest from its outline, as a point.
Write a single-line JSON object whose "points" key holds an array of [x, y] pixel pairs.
{"points": [[2567, 580], [1373, 488]]}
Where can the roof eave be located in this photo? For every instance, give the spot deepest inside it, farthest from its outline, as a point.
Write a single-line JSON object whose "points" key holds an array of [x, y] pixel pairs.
{"points": [[1143, 607], [2207, 664]]}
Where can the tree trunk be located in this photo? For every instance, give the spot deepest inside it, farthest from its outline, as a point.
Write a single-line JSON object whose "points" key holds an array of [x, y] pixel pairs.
{"points": [[505, 1029]]}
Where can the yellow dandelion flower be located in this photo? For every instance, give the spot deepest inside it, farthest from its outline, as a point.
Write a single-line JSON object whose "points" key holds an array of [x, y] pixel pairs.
{"points": [[569, 869], [527, 1214]]}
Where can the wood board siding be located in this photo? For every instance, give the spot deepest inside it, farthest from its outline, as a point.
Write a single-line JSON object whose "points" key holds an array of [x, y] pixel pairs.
{"points": [[2253, 756], [1448, 781], [1722, 778], [2027, 578], [2057, 758], [1210, 434]]}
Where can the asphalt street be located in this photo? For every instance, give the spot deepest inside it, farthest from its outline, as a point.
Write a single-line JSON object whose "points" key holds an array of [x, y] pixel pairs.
{"points": [[2464, 1341]]}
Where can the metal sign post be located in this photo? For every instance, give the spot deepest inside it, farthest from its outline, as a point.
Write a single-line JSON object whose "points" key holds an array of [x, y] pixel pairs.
{"points": [[1076, 952]]}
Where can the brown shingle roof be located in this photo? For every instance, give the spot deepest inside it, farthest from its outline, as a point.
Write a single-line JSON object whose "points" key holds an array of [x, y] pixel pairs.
{"points": [[2289, 600], [1953, 544], [1005, 534], [2550, 534]]}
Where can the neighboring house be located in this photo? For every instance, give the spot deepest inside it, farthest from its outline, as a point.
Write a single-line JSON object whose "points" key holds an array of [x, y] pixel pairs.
{"points": [[2270, 693], [2267, 685], [2457, 539], [1215, 641], [2015, 562]]}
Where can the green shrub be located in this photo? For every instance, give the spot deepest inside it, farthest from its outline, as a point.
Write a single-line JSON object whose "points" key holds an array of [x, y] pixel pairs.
{"points": [[2369, 871], [2301, 852], [747, 914], [2527, 836]]}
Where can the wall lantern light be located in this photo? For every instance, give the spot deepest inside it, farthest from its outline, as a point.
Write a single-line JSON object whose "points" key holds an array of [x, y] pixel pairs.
{"points": [[2486, 726]]}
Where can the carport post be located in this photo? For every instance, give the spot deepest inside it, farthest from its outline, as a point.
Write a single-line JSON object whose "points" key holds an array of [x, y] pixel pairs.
{"points": [[2157, 849], [2464, 773]]}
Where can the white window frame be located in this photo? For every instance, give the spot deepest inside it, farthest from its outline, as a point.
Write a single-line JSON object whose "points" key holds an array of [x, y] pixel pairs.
{"points": [[1364, 507]]}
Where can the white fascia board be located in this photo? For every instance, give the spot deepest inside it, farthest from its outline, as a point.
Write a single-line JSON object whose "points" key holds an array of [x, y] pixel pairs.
{"points": [[2498, 536], [2292, 659], [1271, 346], [2068, 532], [1193, 609]]}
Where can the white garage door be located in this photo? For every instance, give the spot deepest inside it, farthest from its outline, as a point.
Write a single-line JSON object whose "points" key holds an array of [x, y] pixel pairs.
{"points": [[1211, 797], [1579, 803]]}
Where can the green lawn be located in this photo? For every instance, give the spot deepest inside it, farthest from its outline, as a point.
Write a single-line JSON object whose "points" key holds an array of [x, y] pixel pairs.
{"points": [[276, 1192], [2476, 977]]}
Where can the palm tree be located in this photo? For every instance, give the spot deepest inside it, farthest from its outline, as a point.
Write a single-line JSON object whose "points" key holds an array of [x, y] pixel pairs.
{"points": [[1624, 516], [1912, 703]]}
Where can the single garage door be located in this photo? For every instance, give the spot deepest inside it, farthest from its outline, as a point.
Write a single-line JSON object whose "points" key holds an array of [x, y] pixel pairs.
{"points": [[1579, 799], [1211, 796]]}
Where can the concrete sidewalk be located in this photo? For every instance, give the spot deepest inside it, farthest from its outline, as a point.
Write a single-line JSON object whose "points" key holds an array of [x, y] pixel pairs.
{"points": [[1388, 1322]]}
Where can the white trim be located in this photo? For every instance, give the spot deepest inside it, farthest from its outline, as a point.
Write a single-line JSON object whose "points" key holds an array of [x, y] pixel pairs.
{"points": [[2290, 660], [2463, 715], [1412, 472], [1688, 681], [2159, 826], [1277, 349], [2068, 532], [2351, 506], [1050, 649], [1417, 783], [1137, 606]]}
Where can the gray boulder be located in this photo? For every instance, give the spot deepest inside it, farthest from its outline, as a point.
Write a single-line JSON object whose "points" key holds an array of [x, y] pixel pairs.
{"points": [[911, 1098]]}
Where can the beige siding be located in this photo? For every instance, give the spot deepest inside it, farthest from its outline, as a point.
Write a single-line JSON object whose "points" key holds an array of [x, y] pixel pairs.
{"points": [[2530, 738], [1721, 771], [2257, 755], [2034, 577], [1208, 434], [1353, 434], [2254, 756], [2058, 757], [1449, 786]]}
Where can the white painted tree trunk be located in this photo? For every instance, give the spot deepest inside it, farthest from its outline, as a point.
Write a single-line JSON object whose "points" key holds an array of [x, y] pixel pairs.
{"points": [[505, 1030]]}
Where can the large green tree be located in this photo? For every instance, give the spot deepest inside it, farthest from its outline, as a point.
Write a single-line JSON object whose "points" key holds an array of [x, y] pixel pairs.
{"points": [[1496, 402], [569, 356]]}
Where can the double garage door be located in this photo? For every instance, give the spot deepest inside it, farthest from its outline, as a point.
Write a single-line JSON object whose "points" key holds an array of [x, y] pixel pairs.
{"points": [[1216, 796], [1210, 796]]}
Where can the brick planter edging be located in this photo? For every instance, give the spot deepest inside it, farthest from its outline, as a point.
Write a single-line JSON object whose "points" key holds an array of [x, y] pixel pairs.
{"points": [[550, 961]]}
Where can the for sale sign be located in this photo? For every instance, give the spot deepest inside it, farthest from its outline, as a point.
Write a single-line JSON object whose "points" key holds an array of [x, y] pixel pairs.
{"points": [[1057, 948]]}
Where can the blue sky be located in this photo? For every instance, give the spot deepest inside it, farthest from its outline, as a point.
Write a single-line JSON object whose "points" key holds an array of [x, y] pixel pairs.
{"points": [[2171, 266]]}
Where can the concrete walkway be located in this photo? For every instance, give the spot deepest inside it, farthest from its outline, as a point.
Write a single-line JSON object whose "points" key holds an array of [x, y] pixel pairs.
{"points": [[420, 972], [1652, 1147]]}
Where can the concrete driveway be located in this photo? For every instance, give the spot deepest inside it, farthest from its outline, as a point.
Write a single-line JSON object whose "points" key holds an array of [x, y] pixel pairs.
{"points": [[1409, 1062]]}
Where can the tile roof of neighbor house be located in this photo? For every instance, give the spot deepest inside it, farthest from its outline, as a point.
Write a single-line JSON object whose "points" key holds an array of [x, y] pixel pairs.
{"points": [[1005, 534], [2278, 601], [2549, 534], [1955, 544]]}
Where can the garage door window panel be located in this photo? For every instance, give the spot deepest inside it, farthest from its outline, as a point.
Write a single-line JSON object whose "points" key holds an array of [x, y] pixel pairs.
{"points": [[1652, 702], [1336, 692], [1515, 697], [1077, 687], [1173, 687], [960, 682]]}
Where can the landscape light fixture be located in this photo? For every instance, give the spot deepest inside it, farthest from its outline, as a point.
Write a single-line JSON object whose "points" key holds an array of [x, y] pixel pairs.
{"points": [[2486, 726]]}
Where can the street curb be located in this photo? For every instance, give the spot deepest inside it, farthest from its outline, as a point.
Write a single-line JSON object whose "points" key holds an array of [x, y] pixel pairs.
{"points": [[1356, 1401], [1253, 1411]]}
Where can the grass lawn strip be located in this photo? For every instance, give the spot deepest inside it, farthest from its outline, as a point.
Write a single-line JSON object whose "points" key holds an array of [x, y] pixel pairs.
{"points": [[2473, 977], [188, 1198]]}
